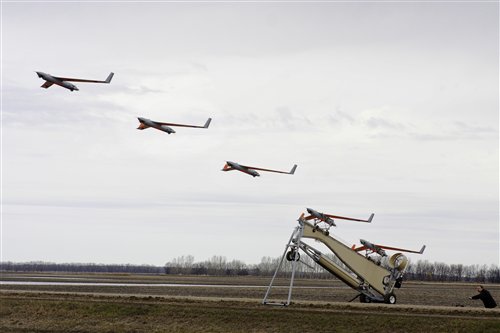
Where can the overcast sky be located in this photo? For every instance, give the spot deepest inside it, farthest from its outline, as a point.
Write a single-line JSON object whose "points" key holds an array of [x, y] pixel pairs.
{"points": [[387, 108]]}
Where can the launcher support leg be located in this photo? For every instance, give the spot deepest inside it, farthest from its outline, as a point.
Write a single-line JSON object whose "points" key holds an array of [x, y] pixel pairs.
{"points": [[295, 249], [297, 234]]}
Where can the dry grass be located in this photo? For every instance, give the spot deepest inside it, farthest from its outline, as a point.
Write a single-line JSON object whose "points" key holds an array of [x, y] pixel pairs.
{"points": [[32, 312], [421, 307]]}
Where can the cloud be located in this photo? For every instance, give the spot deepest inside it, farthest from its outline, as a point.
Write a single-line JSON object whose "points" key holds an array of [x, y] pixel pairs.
{"points": [[471, 130], [338, 117], [375, 118], [453, 131], [384, 124]]}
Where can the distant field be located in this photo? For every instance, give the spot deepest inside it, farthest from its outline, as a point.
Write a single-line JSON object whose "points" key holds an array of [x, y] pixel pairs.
{"points": [[319, 305]]}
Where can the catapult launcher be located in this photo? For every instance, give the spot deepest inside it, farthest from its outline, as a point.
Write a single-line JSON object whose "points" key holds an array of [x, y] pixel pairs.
{"points": [[374, 274]]}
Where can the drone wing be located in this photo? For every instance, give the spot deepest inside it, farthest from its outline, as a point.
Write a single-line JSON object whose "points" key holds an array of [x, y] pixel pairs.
{"points": [[207, 123], [350, 218], [363, 247], [108, 80], [357, 249], [291, 172], [403, 250], [227, 167], [46, 85]]}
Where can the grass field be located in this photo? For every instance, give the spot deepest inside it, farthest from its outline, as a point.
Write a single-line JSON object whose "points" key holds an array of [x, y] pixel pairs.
{"points": [[422, 307]]}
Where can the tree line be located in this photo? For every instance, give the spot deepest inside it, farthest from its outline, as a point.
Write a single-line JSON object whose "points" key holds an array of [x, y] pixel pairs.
{"points": [[422, 270], [42, 266]]}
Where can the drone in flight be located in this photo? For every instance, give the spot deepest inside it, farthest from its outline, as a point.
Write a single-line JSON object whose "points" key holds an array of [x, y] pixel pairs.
{"points": [[251, 170], [165, 127], [64, 81]]}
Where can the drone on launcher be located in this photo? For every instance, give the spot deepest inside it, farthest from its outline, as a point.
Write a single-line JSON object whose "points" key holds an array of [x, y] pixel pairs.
{"points": [[329, 219], [374, 275], [379, 249]]}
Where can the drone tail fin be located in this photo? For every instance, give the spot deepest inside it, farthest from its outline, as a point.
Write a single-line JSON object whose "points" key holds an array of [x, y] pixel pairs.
{"points": [[110, 76], [207, 123]]}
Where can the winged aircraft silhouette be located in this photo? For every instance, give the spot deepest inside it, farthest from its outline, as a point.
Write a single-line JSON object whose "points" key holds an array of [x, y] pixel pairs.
{"points": [[251, 170], [64, 81], [165, 127]]}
